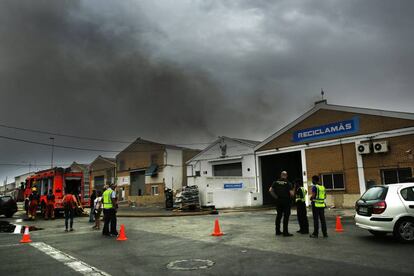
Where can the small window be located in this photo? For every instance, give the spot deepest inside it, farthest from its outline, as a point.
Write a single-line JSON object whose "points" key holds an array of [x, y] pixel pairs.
{"points": [[333, 181], [230, 169], [197, 173], [408, 194], [154, 190], [399, 175]]}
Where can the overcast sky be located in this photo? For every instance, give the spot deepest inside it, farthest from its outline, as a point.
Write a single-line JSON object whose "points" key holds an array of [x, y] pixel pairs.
{"points": [[189, 71]]}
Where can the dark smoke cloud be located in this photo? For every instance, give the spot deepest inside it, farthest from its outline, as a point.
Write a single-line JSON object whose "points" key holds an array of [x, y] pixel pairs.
{"points": [[187, 71]]}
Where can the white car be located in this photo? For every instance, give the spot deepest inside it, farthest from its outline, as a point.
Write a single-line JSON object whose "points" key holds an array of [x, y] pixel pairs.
{"points": [[387, 209]]}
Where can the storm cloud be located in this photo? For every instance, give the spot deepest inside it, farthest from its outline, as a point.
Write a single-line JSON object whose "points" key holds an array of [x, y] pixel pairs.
{"points": [[188, 71]]}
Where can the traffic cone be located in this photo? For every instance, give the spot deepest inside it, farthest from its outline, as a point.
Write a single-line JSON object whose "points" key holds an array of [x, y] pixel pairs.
{"points": [[122, 236], [217, 232], [338, 227], [26, 236]]}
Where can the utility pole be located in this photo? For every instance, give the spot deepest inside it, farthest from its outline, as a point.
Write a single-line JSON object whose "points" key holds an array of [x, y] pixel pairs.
{"points": [[53, 147]]}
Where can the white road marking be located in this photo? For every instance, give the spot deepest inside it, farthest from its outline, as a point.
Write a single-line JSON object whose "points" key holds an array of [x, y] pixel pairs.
{"points": [[19, 220], [68, 260], [9, 245], [18, 229]]}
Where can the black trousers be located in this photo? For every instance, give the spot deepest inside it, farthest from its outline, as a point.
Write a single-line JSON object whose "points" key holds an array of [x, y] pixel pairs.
{"points": [[302, 217], [283, 210], [319, 214], [109, 222], [69, 214]]}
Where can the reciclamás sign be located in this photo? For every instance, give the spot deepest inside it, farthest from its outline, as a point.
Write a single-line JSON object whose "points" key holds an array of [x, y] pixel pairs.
{"points": [[326, 131]]}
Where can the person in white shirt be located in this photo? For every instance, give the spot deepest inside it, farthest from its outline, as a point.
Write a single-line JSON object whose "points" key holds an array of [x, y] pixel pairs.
{"points": [[97, 208]]}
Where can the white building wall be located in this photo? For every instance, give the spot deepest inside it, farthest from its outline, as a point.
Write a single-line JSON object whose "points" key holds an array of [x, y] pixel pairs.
{"points": [[173, 170], [212, 189], [21, 178]]}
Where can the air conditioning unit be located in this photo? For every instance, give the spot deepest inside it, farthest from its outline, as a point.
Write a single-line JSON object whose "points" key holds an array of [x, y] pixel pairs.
{"points": [[364, 148], [380, 146]]}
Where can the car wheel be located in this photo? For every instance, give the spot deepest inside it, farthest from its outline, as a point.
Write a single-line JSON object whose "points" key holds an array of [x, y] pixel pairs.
{"points": [[404, 230], [378, 233], [9, 214]]}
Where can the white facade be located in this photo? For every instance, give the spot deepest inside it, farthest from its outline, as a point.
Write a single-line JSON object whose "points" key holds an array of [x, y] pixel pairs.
{"points": [[21, 178], [220, 190], [173, 170]]}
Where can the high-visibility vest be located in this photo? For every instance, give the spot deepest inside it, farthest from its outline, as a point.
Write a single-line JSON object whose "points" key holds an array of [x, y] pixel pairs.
{"points": [[320, 196], [303, 197], [107, 200]]}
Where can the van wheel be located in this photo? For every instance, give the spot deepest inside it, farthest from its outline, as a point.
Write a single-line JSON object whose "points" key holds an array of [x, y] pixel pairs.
{"points": [[404, 230], [378, 233]]}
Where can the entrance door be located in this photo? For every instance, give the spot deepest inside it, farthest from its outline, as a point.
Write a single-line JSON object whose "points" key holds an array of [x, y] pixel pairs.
{"points": [[273, 165], [137, 187], [98, 183]]}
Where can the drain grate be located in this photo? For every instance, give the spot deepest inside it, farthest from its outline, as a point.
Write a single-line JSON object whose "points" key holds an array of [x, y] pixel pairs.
{"points": [[192, 264]]}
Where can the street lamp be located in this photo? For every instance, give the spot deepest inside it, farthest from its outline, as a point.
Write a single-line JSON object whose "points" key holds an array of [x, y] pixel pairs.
{"points": [[53, 147]]}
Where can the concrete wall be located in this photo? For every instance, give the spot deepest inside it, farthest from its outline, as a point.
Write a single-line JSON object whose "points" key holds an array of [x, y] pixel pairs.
{"points": [[173, 171]]}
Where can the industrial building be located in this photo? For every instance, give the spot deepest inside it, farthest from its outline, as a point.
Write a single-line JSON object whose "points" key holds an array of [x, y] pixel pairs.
{"points": [[350, 148], [225, 173]]}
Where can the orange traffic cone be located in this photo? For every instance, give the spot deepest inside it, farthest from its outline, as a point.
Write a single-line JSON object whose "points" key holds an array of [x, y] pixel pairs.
{"points": [[217, 232], [338, 227], [122, 236], [26, 236]]}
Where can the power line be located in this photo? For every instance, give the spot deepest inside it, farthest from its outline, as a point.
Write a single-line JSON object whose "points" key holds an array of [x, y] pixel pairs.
{"points": [[82, 137], [75, 148], [32, 165]]}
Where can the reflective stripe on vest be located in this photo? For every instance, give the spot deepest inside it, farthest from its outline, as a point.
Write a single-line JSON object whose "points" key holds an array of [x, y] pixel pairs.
{"points": [[304, 193], [107, 201], [320, 196]]}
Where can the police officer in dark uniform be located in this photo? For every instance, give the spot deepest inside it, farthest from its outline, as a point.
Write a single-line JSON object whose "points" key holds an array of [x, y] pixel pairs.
{"points": [[300, 199], [282, 191]]}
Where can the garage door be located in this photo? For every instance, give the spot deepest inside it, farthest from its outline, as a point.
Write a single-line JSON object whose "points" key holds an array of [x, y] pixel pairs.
{"points": [[137, 183], [99, 182]]}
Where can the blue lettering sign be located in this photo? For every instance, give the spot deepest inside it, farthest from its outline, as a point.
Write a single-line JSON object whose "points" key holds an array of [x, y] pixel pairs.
{"points": [[233, 185], [325, 131]]}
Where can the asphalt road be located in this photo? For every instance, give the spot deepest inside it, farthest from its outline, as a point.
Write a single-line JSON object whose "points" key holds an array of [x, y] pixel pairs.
{"points": [[248, 247]]}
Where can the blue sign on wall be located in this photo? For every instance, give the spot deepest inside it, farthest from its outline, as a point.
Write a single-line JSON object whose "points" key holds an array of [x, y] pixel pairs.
{"points": [[233, 186], [330, 130]]}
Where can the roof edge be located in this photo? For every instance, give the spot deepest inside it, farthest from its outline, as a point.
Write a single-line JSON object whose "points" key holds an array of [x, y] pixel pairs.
{"points": [[324, 105]]}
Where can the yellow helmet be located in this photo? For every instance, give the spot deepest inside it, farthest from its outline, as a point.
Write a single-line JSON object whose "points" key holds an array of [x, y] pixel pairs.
{"points": [[34, 189]]}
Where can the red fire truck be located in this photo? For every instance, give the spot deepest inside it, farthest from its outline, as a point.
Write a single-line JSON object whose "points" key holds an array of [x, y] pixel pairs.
{"points": [[58, 180]]}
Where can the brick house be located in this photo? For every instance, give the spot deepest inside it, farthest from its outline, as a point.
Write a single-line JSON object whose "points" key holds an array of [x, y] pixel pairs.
{"points": [[145, 169], [349, 148], [102, 171]]}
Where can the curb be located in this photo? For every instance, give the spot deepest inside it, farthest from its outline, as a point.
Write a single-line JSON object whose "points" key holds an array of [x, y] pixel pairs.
{"points": [[158, 215]]}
